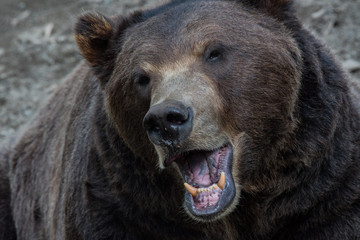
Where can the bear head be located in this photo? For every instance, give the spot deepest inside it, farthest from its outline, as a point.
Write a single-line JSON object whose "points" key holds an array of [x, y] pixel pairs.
{"points": [[207, 89]]}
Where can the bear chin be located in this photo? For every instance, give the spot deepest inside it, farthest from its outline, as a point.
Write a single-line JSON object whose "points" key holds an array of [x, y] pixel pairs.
{"points": [[209, 180]]}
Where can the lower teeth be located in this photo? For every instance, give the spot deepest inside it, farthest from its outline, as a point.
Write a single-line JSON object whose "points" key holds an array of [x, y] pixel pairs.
{"points": [[194, 191]]}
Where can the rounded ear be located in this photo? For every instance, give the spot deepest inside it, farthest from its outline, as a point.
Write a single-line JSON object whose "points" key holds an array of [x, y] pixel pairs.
{"points": [[272, 7], [98, 37], [93, 32]]}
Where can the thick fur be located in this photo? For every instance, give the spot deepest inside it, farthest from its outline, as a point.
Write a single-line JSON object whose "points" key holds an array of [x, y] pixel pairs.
{"points": [[7, 228], [82, 169]]}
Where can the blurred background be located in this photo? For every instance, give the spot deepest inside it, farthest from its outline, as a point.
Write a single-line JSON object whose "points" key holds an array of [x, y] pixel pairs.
{"points": [[37, 48]]}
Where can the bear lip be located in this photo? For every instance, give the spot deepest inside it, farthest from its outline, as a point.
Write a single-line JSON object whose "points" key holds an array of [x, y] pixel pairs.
{"points": [[202, 169]]}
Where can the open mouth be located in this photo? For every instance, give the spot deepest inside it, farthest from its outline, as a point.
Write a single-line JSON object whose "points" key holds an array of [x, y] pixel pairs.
{"points": [[208, 181]]}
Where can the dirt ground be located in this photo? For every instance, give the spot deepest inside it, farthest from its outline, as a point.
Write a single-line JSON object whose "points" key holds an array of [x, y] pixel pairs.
{"points": [[37, 48]]}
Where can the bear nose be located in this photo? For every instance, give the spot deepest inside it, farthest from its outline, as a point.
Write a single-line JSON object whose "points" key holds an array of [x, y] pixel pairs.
{"points": [[168, 123]]}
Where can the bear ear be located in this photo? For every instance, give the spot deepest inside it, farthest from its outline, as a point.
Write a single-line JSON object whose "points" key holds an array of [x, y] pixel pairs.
{"points": [[274, 8], [93, 32], [98, 39]]}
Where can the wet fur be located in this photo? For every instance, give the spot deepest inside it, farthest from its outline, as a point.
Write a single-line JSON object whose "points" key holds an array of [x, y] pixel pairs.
{"points": [[70, 175]]}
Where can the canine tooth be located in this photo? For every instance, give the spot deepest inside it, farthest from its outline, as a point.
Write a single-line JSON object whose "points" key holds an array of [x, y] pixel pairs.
{"points": [[215, 186], [221, 183], [192, 190]]}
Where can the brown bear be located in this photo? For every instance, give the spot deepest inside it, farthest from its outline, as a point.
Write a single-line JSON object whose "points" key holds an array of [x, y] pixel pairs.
{"points": [[194, 120]]}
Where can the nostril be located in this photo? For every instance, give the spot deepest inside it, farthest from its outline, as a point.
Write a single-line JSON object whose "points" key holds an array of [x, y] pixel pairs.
{"points": [[176, 116], [175, 119]]}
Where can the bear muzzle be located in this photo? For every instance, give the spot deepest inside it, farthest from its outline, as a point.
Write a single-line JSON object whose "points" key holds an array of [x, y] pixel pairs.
{"points": [[207, 172]]}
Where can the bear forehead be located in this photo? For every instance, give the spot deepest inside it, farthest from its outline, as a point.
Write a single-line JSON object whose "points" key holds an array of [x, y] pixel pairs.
{"points": [[195, 25]]}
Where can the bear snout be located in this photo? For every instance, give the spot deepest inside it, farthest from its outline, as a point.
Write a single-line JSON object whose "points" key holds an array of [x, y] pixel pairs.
{"points": [[168, 124]]}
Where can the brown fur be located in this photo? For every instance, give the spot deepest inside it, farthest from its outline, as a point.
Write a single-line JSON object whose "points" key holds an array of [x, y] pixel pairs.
{"points": [[84, 167]]}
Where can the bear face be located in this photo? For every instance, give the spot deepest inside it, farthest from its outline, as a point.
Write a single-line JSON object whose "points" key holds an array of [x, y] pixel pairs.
{"points": [[198, 92]]}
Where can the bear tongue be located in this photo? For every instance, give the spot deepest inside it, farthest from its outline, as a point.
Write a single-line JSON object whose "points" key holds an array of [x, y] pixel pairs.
{"points": [[203, 167], [199, 169]]}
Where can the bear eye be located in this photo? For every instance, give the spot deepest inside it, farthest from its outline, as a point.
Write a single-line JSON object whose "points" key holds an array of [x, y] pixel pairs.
{"points": [[142, 79], [214, 55]]}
